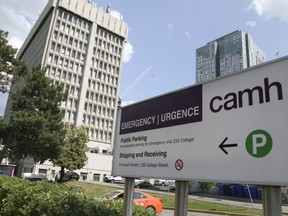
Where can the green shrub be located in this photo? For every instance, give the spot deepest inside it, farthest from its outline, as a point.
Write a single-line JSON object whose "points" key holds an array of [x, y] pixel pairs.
{"points": [[24, 198]]}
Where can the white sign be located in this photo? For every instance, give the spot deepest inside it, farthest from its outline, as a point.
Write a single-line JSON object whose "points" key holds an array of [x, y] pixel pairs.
{"points": [[233, 129]]}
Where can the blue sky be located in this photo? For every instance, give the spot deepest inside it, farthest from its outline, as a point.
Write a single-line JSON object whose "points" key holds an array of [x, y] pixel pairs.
{"points": [[164, 35]]}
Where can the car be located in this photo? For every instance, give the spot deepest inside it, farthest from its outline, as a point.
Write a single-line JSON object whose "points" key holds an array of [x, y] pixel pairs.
{"points": [[69, 175], [144, 185], [162, 182], [34, 177], [172, 187], [141, 198], [137, 180], [114, 179]]}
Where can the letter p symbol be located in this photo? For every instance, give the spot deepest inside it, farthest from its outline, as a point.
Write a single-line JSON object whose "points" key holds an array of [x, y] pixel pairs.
{"points": [[259, 143], [259, 140]]}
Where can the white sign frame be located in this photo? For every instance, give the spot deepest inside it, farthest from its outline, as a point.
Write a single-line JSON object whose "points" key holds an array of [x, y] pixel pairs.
{"points": [[190, 149]]}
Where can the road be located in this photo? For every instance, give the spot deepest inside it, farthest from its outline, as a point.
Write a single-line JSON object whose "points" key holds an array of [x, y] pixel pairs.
{"points": [[171, 213]]}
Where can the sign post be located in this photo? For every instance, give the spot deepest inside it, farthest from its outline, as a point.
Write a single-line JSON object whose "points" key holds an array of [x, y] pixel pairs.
{"points": [[181, 198], [128, 198], [272, 204]]}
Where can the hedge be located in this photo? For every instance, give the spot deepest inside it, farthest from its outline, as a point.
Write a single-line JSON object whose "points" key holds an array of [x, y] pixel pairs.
{"points": [[25, 198]]}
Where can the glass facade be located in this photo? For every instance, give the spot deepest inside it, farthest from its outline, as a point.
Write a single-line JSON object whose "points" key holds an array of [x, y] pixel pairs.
{"points": [[228, 54]]}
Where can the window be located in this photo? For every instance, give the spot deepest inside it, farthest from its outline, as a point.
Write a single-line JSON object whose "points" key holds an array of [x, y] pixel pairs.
{"points": [[65, 63], [55, 35], [63, 50], [68, 115], [49, 58], [53, 71], [64, 75], [55, 60], [96, 177], [60, 38], [83, 176], [73, 53], [94, 150], [57, 24], [58, 47], [65, 40], [60, 61], [52, 45], [67, 29], [58, 73], [71, 64], [62, 26]]}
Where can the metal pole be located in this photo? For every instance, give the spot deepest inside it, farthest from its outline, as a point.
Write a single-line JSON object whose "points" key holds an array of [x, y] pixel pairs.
{"points": [[251, 199], [272, 203], [128, 196], [181, 198]]}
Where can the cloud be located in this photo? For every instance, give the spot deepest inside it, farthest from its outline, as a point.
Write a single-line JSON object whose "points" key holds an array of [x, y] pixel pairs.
{"points": [[270, 8], [127, 52], [18, 17], [251, 23], [188, 36], [170, 28]]}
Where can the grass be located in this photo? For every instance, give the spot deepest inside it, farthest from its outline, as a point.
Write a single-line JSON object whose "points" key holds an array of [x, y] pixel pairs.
{"points": [[94, 190]]}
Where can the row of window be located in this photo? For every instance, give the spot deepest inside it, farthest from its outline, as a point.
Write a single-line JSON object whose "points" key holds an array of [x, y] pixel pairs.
{"points": [[206, 77], [74, 20], [71, 103], [100, 88], [108, 47], [70, 41], [68, 52], [99, 110], [70, 89], [102, 76], [96, 63], [97, 122], [108, 36], [97, 150], [65, 63], [99, 99], [106, 56], [99, 135], [58, 73], [69, 116], [72, 31]]}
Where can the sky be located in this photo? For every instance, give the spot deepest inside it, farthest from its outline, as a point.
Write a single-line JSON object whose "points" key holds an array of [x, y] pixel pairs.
{"points": [[164, 35]]}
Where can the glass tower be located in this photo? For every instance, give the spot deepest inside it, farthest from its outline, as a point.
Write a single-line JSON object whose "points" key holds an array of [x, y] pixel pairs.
{"points": [[225, 55]]}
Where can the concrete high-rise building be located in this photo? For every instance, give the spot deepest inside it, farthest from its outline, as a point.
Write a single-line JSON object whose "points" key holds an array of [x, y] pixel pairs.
{"points": [[227, 54], [82, 48]]}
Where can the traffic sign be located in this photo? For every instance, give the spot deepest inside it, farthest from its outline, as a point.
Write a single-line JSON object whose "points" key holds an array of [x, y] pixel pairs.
{"points": [[232, 129]]}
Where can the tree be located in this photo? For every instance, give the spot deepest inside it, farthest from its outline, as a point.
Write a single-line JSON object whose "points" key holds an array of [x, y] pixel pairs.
{"points": [[11, 69], [36, 119], [72, 153], [4, 127]]}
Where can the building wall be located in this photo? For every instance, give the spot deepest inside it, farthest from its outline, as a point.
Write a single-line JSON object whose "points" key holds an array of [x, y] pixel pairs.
{"points": [[81, 47], [228, 54]]}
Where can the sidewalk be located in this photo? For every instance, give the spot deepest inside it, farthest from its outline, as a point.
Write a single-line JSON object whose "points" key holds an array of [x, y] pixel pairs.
{"points": [[228, 200]]}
